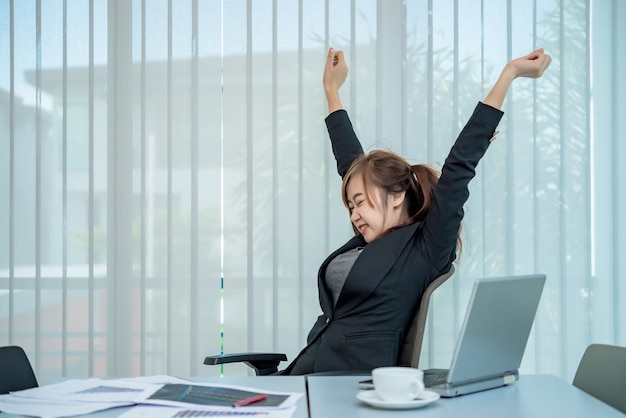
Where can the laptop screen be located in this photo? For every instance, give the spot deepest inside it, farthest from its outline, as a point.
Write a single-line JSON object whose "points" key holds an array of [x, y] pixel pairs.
{"points": [[496, 327]]}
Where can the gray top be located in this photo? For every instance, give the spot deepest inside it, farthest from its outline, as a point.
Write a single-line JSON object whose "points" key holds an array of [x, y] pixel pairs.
{"points": [[338, 269]]}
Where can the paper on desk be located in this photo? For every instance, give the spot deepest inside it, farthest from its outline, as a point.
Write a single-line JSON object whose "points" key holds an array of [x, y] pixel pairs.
{"points": [[50, 408], [215, 397], [79, 396], [84, 396], [149, 411], [97, 390]]}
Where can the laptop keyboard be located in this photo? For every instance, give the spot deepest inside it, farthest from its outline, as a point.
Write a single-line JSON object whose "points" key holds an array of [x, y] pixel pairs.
{"points": [[436, 378]]}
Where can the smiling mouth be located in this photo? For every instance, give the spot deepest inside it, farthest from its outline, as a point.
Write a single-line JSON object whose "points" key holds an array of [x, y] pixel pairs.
{"points": [[362, 228]]}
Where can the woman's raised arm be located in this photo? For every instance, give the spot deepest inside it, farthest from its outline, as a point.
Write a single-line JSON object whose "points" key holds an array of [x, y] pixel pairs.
{"points": [[531, 66], [335, 73]]}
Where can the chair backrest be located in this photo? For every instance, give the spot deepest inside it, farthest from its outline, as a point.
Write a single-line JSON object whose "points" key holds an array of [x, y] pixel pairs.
{"points": [[16, 372], [602, 374], [412, 345]]}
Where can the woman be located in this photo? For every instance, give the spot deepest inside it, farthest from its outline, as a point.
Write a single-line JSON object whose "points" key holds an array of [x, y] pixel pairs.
{"points": [[407, 221]]}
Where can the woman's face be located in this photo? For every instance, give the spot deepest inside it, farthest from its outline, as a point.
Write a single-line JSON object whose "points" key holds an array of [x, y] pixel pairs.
{"points": [[372, 221]]}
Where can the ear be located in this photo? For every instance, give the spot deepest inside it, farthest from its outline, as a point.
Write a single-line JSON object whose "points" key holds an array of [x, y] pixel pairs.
{"points": [[397, 199]]}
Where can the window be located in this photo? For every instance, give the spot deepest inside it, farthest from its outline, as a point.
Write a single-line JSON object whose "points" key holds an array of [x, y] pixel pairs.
{"points": [[169, 190]]}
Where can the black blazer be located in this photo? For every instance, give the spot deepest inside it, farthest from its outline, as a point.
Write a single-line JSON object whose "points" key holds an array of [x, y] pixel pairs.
{"points": [[383, 289]]}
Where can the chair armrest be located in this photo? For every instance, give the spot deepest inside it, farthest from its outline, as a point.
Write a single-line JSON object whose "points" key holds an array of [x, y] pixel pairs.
{"points": [[262, 363]]}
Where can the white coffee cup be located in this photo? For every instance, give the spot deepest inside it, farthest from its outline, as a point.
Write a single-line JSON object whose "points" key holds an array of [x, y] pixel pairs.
{"points": [[398, 384]]}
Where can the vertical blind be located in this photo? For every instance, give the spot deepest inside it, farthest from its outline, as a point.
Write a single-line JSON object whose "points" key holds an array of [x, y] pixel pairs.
{"points": [[169, 192]]}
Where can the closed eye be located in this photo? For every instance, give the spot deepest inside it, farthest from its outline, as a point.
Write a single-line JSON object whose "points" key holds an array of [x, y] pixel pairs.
{"points": [[358, 203]]}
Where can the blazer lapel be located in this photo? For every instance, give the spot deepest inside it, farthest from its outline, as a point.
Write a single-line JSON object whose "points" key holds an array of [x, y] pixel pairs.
{"points": [[326, 299], [371, 267]]}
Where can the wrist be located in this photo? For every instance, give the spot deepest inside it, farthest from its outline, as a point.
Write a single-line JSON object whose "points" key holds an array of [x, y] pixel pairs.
{"points": [[334, 103], [332, 95], [330, 89], [509, 73]]}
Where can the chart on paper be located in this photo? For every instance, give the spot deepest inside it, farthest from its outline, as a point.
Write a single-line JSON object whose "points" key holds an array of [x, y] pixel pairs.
{"points": [[212, 395]]}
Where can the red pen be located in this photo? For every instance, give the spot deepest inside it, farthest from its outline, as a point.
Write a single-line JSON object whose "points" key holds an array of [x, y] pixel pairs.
{"points": [[248, 401]]}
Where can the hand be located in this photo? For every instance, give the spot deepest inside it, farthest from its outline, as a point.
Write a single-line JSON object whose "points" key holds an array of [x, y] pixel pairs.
{"points": [[335, 71], [335, 74], [531, 66]]}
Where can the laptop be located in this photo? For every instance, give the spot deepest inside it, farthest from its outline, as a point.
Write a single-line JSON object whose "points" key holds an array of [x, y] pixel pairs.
{"points": [[493, 338]]}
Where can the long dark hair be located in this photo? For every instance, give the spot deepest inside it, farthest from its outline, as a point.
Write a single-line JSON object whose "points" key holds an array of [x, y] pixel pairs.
{"points": [[393, 174]]}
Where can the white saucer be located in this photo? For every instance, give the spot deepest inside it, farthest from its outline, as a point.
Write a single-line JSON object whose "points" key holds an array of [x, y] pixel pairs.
{"points": [[370, 397]]}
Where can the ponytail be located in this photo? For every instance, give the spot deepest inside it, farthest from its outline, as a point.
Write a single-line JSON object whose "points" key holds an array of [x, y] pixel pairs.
{"points": [[421, 191], [427, 179]]}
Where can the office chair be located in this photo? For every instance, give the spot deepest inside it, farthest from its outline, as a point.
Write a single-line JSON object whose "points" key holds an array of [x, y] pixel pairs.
{"points": [[412, 345], [16, 372], [602, 374], [267, 363]]}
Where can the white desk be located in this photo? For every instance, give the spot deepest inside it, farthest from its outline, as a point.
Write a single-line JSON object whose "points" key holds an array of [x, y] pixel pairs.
{"points": [[335, 397], [531, 397], [275, 383]]}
